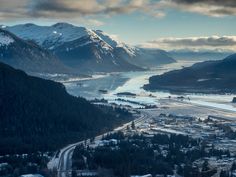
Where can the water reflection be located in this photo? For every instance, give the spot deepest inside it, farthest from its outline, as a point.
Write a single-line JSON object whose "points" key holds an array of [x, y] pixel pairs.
{"points": [[133, 81]]}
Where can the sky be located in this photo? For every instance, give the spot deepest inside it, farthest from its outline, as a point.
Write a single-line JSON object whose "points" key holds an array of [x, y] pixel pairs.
{"points": [[166, 24]]}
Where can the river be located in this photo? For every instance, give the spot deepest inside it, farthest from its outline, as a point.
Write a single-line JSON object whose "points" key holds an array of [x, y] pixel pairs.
{"points": [[133, 82]]}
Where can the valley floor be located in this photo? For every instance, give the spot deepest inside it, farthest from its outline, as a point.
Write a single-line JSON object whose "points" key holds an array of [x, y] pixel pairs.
{"points": [[208, 117], [173, 117]]}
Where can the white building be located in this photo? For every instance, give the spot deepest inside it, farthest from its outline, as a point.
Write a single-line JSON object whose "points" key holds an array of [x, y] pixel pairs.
{"points": [[31, 175]]}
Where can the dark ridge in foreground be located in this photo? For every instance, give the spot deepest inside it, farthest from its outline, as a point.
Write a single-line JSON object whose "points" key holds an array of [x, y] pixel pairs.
{"points": [[38, 114], [205, 77]]}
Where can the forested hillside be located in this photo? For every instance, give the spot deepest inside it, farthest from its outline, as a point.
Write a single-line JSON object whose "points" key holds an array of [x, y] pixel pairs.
{"points": [[205, 77], [37, 114]]}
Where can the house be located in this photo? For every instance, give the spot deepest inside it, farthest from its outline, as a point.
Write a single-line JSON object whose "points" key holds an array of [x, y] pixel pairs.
{"points": [[233, 174], [148, 175], [86, 173], [31, 175]]}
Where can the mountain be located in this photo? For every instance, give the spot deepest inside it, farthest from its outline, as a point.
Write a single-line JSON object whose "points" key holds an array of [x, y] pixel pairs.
{"points": [[28, 56], [142, 57], [152, 58], [38, 114], [88, 50], [77, 47], [92, 54], [202, 55], [205, 77]]}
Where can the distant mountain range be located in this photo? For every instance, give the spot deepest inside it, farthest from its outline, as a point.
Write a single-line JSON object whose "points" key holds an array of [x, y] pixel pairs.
{"points": [[89, 50], [152, 58], [28, 56], [201, 55], [206, 77], [38, 114]]}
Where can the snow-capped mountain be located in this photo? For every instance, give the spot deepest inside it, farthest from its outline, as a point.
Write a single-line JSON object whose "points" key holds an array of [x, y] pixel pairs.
{"points": [[90, 54], [88, 50], [28, 56], [49, 36], [135, 55], [115, 43], [77, 47]]}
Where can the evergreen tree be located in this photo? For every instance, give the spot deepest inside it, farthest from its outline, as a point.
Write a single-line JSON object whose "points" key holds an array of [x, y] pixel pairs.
{"points": [[233, 167], [133, 125], [205, 166]]}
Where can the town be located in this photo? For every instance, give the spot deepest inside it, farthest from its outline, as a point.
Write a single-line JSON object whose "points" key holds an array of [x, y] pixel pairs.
{"points": [[164, 144]]}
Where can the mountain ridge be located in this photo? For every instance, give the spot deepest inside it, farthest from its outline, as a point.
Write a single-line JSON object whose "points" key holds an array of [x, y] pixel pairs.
{"points": [[28, 56], [199, 55], [38, 114], [105, 51], [206, 77]]}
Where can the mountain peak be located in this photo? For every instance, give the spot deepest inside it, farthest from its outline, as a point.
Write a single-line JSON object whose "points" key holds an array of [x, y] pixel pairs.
{"points": [[62, 25], [26, 25], [2, 26], [29, 24], [99, 31], [93, 48]]}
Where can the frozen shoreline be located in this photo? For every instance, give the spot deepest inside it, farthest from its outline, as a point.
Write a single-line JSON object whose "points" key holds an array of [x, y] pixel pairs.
{"points": [[133, 81]]}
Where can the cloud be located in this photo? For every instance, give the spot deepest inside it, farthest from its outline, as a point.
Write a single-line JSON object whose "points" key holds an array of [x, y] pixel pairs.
{"points": [[93, 7], [212, 42], [60, 7], [226, 3], [154, 8], [13, 9], [93, 22], [75, 10], [214, 8]]}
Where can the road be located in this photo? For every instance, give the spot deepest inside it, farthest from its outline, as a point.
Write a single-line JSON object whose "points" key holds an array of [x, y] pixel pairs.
{"points": [[63, 163]]}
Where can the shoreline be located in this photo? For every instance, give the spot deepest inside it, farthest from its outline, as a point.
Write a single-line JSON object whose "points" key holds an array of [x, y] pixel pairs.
{"points": [[189, 90]]}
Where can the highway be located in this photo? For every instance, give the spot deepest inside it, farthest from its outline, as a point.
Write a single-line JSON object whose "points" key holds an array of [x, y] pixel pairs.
{"points": [[63, 163]]}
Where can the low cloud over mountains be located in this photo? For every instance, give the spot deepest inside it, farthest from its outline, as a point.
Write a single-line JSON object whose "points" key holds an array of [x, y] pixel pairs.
{"points": [[211, 42], [215, 8]]}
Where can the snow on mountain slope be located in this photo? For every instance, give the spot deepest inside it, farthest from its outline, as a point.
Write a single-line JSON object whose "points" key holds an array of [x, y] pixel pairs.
{"points": [[115, 43], [92, 55], [5, 39], [52, 36], [58, 32], [28, 56], [78, 45], [141, 57]]}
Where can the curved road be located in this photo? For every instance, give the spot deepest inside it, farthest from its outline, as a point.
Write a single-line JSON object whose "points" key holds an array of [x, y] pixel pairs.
{"points": [[63, 163]]}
